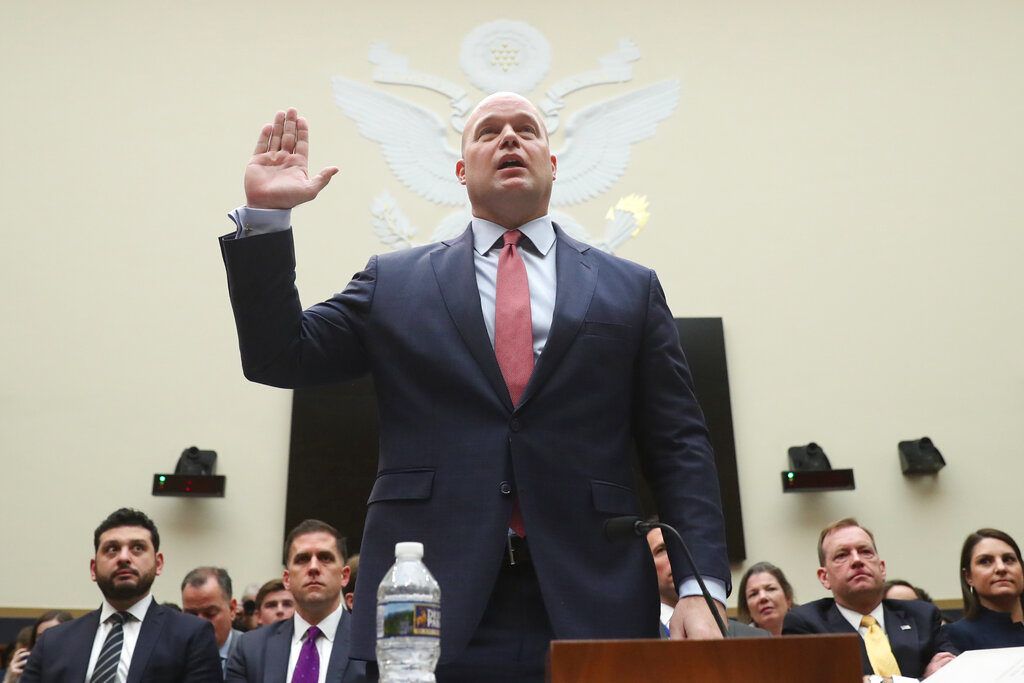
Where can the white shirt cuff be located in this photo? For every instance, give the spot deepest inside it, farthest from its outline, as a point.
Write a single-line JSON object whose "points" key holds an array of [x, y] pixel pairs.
{"points": [[250, 221], [715, 587]]}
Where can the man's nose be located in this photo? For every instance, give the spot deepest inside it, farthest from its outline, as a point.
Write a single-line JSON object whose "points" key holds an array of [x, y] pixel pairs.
{"points": [[508, 136]]}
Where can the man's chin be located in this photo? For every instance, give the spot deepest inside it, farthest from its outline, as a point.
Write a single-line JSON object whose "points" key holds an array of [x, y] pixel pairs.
{"points": [[124, 590]]}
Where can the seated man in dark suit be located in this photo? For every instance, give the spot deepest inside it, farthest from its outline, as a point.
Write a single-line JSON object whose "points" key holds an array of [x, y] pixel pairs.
{"points": [[206, 593], [898, 637], [131, 638], [315, 573]]}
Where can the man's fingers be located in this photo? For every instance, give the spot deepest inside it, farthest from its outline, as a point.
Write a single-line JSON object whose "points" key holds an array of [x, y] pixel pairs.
{"points": [[275, 137], [264, 139], [302, 137], [288, 134], [320, 180]]}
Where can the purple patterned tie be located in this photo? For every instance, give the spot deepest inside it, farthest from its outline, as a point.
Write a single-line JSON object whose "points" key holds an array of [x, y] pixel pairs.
{"points": [[307, 669]]}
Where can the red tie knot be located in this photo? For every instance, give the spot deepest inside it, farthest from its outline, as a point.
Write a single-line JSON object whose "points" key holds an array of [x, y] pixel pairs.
{"points": [[512, 237]]}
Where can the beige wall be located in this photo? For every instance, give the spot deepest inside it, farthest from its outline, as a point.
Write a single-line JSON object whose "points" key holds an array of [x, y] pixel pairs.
{"points": [[841, 183]]}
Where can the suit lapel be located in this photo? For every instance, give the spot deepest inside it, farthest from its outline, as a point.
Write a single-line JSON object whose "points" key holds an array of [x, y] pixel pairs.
{"points": [[838, 624], [340, 648], [149, 635], [81, 645], [576, 274], [456, 277], [278, 649], [902, 641]]}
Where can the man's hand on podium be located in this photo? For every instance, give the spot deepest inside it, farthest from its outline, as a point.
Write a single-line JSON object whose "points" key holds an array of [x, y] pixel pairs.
{"points": [[691, 620]]}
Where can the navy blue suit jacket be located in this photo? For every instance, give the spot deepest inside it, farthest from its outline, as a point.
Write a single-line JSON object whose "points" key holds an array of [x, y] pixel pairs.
{"points": [[912, 626], [172, 648], [262, 655], [453, 448]]}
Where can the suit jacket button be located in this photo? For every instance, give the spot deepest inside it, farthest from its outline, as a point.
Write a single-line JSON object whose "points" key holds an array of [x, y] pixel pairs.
{"points": [[505, 488], [514, 424]]}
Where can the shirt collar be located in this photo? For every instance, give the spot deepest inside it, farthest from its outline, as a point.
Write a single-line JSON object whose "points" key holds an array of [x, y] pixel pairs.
{"points": [[329, 625], [540, 231], [138, 610], [854, 616]]}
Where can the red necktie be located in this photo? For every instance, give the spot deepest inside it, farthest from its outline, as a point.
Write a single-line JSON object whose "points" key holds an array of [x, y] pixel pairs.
{"points": [[513, 332], [513, 325]]}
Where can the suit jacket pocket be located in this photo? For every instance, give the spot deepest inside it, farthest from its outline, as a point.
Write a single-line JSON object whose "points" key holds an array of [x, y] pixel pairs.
{"points": [[614, 498], [402, 485], [606, 330]]}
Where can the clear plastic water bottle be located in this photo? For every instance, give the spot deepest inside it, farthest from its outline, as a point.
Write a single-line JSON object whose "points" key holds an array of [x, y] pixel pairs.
{"points": [[408, 619]]}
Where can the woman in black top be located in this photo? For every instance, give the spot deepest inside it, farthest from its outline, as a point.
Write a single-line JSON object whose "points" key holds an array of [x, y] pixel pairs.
{"points": [[992, 582]]}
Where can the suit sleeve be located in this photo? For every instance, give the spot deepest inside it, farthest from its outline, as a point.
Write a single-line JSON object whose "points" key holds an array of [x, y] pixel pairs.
{"points": [[33, 672], [202, 658], [674, 446], [236, 669], [282, 345], [940, 635]]}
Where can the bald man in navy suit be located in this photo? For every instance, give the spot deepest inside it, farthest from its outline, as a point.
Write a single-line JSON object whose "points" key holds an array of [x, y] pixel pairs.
{"points": [[508, 412]]}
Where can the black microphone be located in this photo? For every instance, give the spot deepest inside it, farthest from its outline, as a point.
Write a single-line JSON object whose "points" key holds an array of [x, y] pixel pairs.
{"points": [[618, 528]]}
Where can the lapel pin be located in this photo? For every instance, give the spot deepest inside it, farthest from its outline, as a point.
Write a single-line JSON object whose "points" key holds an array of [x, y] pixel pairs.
{"points": [[905, 627]]}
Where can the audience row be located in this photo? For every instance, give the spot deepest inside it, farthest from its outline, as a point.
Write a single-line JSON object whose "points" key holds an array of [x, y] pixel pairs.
{"points": [[901, 628]]}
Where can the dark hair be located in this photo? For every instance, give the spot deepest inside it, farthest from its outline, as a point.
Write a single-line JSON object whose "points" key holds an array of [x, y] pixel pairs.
{"points": [[742, 611], [126, 517], [836, 526], [272, 586], [972, 606], [200, 575], [921, 593], [58, 615], [353, 568], [312, 526]]}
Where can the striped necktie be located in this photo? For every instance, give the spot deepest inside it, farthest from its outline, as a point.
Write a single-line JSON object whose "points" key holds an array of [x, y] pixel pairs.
{"points": [[110, 654], [879, 652]]}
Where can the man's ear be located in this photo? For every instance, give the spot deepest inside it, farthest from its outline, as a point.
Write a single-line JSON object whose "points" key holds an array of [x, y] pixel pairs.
{"points": [[823, 578], [346, 574], [159, 563], [92, 568], [881, 563], [460, 171], [286, 578], [554, 166]]}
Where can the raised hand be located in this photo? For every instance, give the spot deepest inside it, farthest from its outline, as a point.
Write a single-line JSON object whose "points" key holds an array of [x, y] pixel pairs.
{"points": [[277, 176]]}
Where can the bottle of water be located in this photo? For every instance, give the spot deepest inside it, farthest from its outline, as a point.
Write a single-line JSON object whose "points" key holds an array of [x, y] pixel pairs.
{"points": [[408, 619]]}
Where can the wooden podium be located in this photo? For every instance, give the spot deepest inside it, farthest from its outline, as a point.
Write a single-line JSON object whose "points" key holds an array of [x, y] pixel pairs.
{"points": [[790, 659]]}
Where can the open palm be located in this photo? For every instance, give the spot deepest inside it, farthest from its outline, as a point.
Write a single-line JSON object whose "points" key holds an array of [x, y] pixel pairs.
{"points": [[277, 176]]}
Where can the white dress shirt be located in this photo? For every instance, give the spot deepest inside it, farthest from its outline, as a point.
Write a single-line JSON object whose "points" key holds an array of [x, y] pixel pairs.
{"points": [[324, 644], [131, 628]]}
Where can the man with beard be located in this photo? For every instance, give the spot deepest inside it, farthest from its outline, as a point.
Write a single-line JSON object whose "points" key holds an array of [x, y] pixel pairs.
{"points": [[898, 637], [130, 638]]}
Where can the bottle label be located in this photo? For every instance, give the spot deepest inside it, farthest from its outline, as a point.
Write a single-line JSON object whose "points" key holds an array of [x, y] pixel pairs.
{"points": [[408, 619]]}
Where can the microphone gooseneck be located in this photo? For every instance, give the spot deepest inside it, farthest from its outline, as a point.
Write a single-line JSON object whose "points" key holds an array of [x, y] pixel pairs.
{"points": [[618, 528]]}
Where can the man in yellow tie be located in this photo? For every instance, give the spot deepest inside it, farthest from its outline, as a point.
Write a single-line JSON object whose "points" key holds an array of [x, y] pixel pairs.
{"points": [[900, 637]]}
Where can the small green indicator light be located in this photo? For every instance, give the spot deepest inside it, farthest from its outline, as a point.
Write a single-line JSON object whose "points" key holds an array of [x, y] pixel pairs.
{"points": [[163, 478], [790, 475]]}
